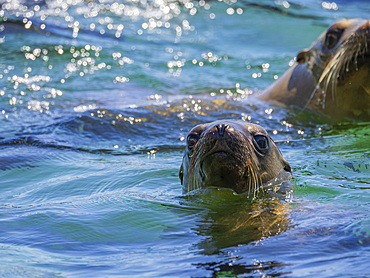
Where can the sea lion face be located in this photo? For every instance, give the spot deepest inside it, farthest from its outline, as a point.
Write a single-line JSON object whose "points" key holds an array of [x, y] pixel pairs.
{"points": [[339, 62], [230, 154]]}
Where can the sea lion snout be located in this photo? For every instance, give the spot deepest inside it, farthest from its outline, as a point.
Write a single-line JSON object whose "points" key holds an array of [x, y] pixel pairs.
{"points": [[218, 130], [220, 136], [220, 160], [221, 128], [218, 152]]}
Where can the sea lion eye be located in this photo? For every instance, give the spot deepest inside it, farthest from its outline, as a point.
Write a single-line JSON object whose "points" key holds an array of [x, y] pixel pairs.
{"points": [[332, 37], [261, 142], [192, 140]]}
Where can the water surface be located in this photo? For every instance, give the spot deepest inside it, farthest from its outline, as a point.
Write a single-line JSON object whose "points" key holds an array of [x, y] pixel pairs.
{"points": [[96, 98]]}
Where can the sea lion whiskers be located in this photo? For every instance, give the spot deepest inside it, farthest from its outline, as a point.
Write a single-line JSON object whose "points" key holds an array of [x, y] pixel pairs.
{"points": [[251, 168], [254, 180], [326, 76], [257, 180], [346, 55], [195, 160]]}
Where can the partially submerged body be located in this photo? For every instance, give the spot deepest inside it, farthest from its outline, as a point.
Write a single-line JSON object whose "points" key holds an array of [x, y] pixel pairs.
{"points": [[332, 77]]}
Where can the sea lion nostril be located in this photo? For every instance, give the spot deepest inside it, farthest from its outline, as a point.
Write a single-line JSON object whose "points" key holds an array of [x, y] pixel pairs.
{"points": [[221, 128]]}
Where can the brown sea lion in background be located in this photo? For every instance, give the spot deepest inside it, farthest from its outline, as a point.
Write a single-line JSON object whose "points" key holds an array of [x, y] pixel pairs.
{"points": [[332, 77], [230, 154]]}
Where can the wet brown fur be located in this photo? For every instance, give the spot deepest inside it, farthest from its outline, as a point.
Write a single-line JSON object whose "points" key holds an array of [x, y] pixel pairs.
{"points": [[330, 79]]}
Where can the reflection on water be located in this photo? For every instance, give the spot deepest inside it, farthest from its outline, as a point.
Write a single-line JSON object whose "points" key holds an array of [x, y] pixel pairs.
{"points": [[243, 223], [96, 98], [233, 220], [233, 269]]}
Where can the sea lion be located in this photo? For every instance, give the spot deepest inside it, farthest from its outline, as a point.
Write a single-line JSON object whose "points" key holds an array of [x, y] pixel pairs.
{"points": [[230, 154], [332, 77]]}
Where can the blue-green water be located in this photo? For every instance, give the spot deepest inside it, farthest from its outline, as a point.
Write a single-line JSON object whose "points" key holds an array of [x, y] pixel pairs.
{"points": [[95, 99]]}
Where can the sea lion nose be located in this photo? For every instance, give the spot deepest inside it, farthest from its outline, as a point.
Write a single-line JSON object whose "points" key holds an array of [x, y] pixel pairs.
{"points": [[221, 128]]}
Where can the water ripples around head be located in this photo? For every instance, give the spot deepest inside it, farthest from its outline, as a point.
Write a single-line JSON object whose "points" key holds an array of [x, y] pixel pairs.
{"points": [[129, 130]]}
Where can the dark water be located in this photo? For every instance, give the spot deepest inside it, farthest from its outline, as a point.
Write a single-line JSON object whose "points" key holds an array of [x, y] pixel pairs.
{"points": [[95, 99]]}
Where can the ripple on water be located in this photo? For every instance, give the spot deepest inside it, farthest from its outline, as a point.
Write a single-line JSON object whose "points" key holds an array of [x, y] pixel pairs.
{"points": [[95, 103]]}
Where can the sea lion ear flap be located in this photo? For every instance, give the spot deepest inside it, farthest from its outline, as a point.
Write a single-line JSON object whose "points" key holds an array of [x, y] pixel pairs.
{"points": [[302, 56], [286, 166], [181, 174]]}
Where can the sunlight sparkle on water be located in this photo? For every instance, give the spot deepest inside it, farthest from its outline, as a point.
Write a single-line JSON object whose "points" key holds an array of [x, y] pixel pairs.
{"points": [[329, 6], [74, 127]]}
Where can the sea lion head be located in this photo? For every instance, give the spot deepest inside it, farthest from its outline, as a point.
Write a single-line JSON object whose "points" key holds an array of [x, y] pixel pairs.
{"points": [[230, 154], [332, 75]]}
